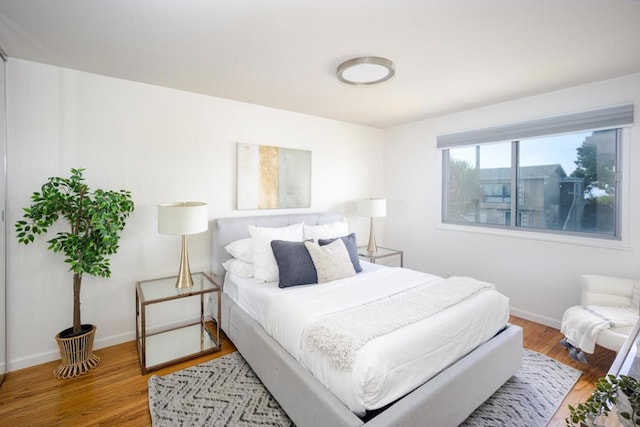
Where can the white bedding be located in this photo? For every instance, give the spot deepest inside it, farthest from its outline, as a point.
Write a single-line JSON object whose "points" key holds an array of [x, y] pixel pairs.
{"points": [[254, 297], [389, 366]]}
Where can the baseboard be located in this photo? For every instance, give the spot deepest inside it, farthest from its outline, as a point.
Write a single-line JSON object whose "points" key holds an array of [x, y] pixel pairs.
{"points": [[33, 360], [54, 352], [543, 320], [114, 340]]}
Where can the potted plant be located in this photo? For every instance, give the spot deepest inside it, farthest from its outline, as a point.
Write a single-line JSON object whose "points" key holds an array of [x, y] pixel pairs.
{"points": [[95, 219], [623, 392]]}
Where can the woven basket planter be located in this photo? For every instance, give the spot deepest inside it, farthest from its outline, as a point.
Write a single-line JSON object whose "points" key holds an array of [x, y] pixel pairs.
{"points": [[76, 353]]}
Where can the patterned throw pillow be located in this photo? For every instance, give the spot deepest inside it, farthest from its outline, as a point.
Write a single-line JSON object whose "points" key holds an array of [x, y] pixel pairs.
{"points": [[332, 261], [351, 244]]}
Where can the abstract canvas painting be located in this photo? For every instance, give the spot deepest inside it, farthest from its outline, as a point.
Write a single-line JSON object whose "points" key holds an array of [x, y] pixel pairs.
{"points": [[273, 177]]}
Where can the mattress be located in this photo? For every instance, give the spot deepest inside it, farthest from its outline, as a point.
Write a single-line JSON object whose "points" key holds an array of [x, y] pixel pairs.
{"points": [[389, 366]]}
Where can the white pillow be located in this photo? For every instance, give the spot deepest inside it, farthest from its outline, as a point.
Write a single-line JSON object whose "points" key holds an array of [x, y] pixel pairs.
{"points": [[238, 267], [332, 261], [241, 249], [265, 268], [325, 231]]}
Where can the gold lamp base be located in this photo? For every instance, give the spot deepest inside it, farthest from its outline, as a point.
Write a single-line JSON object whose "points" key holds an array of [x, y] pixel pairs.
{"points": [[372, 248], [184, 274]]}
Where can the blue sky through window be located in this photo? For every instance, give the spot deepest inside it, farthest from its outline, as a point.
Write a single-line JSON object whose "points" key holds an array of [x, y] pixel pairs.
{"points": [[533, 152]]}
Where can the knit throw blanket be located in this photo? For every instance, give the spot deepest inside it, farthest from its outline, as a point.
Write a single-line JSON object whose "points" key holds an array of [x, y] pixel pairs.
{"points": [[340, 335], [582, 324]]}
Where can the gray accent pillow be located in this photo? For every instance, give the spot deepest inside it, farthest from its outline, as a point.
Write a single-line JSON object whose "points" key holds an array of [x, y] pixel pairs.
{"points": [[352, 247], [294, 263]]}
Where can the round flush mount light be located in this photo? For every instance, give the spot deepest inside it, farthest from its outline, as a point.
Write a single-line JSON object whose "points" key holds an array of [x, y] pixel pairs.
{"points": [[367, 70]]}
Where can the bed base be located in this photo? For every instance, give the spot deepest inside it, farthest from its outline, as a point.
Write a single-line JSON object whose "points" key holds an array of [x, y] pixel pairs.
{"points": [[445, 400]]}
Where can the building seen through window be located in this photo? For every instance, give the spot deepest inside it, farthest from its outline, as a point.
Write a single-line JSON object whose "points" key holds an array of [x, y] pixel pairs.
{"points": [[563, 183]]}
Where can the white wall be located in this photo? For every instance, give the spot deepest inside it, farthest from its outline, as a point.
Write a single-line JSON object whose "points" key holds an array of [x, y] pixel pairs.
{"points": [[167, 145], [163, 145], [541, 277]]}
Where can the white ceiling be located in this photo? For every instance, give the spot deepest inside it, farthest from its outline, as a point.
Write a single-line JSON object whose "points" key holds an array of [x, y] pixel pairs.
{"points": [[450, 55]]}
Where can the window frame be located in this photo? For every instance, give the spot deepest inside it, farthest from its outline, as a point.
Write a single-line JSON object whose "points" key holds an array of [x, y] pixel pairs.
{"points": [[514, 212]]}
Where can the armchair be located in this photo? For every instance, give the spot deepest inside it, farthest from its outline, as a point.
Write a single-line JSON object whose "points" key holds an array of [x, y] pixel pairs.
{"points": [[609, 307]]}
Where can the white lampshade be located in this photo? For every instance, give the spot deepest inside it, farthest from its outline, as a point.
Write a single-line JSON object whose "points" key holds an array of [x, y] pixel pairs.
{"points": [[372, 208], [183, 218]]}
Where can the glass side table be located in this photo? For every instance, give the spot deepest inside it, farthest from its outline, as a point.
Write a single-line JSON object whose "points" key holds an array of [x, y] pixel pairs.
{"points": [[169, 345], [380, 253]]}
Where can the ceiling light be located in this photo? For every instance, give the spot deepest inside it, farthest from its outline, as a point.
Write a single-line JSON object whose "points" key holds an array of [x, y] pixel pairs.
{"points": [[367, 70]]}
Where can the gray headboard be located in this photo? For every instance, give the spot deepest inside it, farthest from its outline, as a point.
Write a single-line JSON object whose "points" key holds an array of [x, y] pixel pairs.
{"points": [[226, 230]]}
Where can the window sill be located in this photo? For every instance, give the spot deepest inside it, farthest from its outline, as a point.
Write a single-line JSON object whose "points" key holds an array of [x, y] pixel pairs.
{"points": [[622, 244]]}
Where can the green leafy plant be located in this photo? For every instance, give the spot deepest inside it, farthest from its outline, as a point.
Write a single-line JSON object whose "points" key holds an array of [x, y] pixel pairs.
{"points": [[607, 393], [95, 219]]}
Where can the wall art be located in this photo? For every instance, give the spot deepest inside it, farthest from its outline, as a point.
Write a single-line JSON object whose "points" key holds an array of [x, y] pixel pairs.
{"points": [[273, 177]]}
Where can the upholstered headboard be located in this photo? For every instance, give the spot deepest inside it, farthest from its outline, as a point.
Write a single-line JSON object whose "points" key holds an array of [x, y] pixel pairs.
{"points": [[227, 230]]}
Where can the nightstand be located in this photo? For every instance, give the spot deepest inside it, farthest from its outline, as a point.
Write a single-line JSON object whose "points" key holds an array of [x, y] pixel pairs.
{"points": [[161, 346], [380, 253]]}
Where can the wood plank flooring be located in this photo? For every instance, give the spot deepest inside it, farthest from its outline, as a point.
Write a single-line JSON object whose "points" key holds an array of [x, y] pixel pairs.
{"points": [[115, 393], [546, 340]]}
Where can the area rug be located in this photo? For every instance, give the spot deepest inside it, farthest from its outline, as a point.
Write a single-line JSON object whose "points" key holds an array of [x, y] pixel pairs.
{"points": [[530, 397], [226, 392]]}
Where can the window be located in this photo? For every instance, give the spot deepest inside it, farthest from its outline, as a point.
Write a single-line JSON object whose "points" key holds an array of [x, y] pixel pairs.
{"points": [[565, 183], [478, 177]]}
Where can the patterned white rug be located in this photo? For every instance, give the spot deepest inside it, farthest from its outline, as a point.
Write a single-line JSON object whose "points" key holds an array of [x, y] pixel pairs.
{"points": [[226, 392], [530, 397]]}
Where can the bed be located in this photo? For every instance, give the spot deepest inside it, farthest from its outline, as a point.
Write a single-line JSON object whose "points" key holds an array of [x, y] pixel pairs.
{"points": [[445, 399]]}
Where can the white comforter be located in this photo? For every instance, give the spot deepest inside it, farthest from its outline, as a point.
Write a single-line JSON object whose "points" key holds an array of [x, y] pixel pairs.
{"points": [[341, 335], [391, 365]]}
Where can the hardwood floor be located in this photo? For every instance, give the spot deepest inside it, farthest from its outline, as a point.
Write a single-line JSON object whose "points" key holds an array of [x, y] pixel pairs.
{"points": [[115, 393], [112, 394], [546, 340]]}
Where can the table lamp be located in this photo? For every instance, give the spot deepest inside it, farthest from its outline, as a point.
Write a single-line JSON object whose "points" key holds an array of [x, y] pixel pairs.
{"points": [[373, 208], [181, 219]]}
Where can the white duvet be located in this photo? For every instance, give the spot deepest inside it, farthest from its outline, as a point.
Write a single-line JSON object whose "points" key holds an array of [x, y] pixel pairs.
{"points": [[389, 366]]}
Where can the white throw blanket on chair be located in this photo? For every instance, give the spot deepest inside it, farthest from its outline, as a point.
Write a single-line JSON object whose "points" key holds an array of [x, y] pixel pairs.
{"points": [[582, 324]]}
